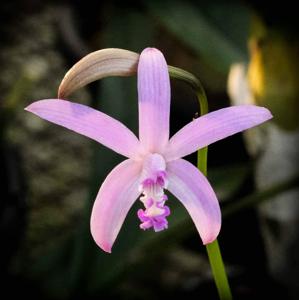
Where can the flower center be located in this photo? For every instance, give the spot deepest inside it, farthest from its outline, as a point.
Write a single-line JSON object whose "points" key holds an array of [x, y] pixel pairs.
{"points": [[154, 180]]}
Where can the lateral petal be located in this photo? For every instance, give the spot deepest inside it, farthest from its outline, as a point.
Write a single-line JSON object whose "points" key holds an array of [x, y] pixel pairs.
{"points": [[213, 127], [115, 197], [88, 122], [193, 190]]}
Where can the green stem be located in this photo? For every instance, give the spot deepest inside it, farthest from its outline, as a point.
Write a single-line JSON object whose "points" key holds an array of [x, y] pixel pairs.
{"points": [[213, 249], [218, 270]]}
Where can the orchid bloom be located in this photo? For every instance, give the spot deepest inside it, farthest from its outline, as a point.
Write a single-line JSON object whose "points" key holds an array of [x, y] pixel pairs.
{"points": [[154, 161]]}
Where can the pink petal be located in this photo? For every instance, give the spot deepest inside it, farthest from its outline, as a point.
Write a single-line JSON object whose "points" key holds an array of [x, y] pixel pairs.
{"points": [[192, 188], [214, 126], [89, 122], [154, 100], [116, 196]]}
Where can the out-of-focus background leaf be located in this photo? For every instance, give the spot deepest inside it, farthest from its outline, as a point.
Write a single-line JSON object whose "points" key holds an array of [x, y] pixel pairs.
{"points": [[50, 176], [202, 29]]}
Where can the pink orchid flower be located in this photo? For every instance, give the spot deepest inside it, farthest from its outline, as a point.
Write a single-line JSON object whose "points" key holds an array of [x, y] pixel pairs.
{"points": [[154, 161]]}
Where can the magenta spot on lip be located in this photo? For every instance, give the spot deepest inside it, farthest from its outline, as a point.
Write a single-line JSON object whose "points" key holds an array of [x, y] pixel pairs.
{"points": [[160, 179], [148, 182], [157, 222], [149, 202], [164, 198]]}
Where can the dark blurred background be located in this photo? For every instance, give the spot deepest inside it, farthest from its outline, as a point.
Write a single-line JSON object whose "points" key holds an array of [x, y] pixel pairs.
{"points": [[243, 52]]}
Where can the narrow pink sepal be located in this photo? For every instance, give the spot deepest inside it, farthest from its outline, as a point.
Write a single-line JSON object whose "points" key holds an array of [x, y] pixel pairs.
{"points": [[88, 122], [213, 127], [115, 197], [154, 100], [193, 190]]}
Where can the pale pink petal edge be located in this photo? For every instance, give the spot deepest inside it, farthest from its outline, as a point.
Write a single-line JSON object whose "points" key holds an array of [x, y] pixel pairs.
{"points": [[153, 100], [194, 191], [213, 127], [116, 196], [88, 122]]}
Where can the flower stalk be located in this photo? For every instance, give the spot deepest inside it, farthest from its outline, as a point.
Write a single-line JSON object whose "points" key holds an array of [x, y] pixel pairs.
{"points": [[213, 249], [196, 85], [218, 271]]}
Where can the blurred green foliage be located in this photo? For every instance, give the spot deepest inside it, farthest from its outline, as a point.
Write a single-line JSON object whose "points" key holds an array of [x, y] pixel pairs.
{"points": [[208, 29]]}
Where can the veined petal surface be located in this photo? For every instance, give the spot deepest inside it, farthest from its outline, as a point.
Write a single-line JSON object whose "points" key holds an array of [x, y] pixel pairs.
{"points": [[154, 100], [194, 191], [213, 127], [88, 122], [115, 197]]}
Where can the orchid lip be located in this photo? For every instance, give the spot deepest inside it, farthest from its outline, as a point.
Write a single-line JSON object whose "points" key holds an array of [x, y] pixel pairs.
{"points": [[154, 180]]}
